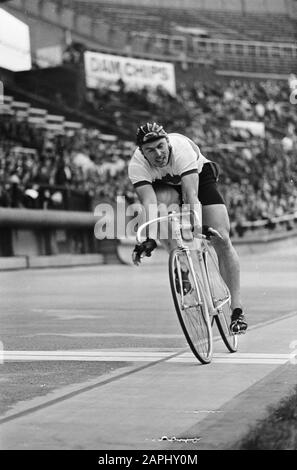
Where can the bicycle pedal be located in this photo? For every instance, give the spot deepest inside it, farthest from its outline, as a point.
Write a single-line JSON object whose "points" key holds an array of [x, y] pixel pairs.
{"points": [[240, 332]]}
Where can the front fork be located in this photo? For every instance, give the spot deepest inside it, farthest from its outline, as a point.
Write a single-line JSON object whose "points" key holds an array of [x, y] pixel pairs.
{"points": [[184, 305]]}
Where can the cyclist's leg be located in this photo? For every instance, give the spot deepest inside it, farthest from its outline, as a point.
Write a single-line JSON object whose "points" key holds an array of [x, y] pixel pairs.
{"points": [[216, 216], [168, 200]]}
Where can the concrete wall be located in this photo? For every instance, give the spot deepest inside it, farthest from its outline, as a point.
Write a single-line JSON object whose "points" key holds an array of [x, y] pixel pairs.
{"points": [[49, 247], [26, 243], [51, 238]]}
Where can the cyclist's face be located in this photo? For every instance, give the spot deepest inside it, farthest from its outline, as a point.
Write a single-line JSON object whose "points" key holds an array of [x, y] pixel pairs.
{"points": [[157, 152]]}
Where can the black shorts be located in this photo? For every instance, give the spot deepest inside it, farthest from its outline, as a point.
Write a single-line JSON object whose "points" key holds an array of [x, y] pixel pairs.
{"points": [[208, 193]]}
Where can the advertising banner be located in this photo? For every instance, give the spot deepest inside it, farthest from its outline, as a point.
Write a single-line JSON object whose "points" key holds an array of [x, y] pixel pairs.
{"points": [[256, 128], [106, 69]]}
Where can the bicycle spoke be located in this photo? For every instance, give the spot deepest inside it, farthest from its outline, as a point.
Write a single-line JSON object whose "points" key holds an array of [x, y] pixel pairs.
{"points": [[199, 333]]}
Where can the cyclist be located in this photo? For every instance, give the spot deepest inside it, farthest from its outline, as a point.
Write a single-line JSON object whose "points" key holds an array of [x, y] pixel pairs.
{"points": [[170, 169]]}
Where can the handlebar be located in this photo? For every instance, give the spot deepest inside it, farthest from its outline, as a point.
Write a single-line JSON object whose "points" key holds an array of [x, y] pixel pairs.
{"points": [[159, 219]]}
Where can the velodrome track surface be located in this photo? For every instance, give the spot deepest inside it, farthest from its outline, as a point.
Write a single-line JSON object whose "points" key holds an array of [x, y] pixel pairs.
{"points": [[94, 358]]}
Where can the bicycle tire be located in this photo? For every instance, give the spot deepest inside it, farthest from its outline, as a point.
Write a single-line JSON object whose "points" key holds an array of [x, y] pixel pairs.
{"points": [[219, 290], [195, 321]]}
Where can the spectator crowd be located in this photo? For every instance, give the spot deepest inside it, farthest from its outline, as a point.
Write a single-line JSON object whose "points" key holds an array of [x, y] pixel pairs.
{"points": [[79, 169]]}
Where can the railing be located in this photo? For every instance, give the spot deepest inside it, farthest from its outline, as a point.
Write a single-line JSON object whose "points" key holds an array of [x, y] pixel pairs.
{"points": [[286, 221], [173, 44], [250, 48], [188, 48], [167, 44]]}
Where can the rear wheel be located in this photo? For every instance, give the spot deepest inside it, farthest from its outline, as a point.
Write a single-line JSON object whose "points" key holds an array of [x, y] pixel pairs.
{"points": [[191, 308], [221, 297]]}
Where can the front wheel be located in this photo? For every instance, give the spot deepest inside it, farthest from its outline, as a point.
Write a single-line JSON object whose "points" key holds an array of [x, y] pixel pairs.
{"points": [[190, 306]]}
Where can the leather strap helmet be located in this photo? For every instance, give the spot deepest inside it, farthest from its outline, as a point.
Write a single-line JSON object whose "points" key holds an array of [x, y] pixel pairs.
{"points": [[149, 132]]}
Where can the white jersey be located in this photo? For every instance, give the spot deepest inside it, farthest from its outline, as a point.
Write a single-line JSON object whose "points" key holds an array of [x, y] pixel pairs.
{"points": [[185, 158]]}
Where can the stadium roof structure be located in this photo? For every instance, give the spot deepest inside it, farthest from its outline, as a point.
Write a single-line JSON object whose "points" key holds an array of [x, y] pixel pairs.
{"points": [[164, 17]]}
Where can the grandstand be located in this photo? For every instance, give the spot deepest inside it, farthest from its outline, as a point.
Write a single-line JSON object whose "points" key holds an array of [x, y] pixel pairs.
{"points": [[37, 128], [34, 144], [65, 146]]}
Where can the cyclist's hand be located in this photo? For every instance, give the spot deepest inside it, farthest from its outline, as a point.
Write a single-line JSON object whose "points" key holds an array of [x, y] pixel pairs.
{"points": [[145, 248], [210, 232]]}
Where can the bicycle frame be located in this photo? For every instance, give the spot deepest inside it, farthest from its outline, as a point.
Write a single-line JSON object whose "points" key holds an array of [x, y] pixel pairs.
{"points": [[176, 229], [207, 285]]}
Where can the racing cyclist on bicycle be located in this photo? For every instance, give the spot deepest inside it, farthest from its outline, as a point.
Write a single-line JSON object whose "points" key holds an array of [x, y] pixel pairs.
{"points": [[170, 169]]}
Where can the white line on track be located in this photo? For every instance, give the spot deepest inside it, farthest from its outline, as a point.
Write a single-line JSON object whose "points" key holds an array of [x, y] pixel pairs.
{"points": [[148, 355], [141, 356], [107, 335]]}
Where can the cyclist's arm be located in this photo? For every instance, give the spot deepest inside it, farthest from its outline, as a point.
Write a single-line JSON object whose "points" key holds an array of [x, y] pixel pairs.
{"points": [[190, 184], [148, 199]]}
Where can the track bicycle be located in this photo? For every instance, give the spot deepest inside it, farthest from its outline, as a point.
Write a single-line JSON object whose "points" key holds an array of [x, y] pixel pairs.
{"points": [[206, 300]]}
